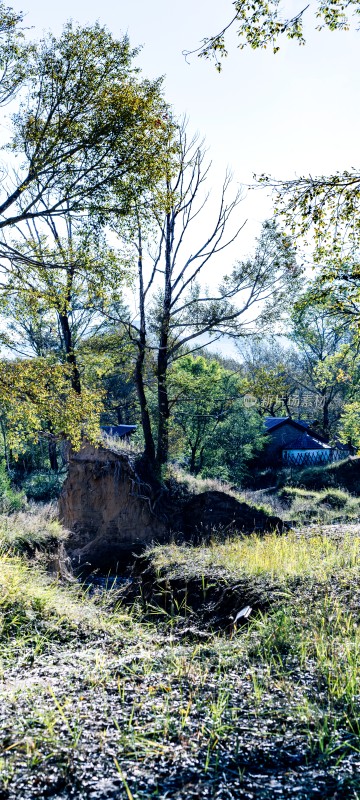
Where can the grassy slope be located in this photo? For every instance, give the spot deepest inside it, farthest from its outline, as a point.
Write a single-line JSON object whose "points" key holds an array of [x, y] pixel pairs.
{"points": [[342, 474], [102, 702], [320, 495]]}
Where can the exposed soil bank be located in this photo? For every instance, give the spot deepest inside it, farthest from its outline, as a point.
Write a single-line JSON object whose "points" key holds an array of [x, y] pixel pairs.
{"points": [[107, 508], [113, 512], [208, 600]]}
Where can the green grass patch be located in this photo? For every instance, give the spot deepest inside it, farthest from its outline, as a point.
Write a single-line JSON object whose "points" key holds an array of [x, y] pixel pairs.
{"points": [[342, 474], [328, 505], [305, 648], [36, 609]]}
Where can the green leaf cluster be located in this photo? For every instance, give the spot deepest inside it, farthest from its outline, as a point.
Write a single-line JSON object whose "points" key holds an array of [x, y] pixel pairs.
{"points": [[261, 23], [212, 432]]}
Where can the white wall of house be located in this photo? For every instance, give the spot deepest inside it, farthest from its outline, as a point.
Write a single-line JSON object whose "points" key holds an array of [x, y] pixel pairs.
{"points": [[316, 455]]}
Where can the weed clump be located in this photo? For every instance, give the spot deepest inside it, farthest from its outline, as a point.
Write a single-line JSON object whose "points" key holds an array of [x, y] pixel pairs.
{"points": [[34, 607], [335, 498], [10, 499], [303, 506], [35, 530]]}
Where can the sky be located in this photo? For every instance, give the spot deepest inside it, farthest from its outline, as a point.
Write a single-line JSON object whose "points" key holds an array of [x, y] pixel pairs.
{"points": [[285, 115]]}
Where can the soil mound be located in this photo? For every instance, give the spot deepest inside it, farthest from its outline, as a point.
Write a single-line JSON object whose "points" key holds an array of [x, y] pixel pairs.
{"points": [[220, 512]]}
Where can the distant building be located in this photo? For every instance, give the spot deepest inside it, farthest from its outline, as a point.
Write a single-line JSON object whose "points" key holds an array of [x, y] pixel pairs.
{"points": [[295, 443], [118, 431]]}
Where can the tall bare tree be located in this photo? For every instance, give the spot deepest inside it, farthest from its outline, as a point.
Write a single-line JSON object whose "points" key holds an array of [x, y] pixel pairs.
{"points": [[175, 312]]}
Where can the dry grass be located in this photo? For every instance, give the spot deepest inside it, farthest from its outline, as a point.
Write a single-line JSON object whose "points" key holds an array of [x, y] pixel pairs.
{"points": [[316, 555], [121, 446], [36, 528], [196, 485]]}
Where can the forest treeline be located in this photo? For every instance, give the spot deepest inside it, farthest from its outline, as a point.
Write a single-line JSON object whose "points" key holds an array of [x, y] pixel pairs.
{"points": [[117, 289]]}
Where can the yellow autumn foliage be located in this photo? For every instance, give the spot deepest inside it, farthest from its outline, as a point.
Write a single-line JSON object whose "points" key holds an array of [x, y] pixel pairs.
{"points": [[36, 398]]}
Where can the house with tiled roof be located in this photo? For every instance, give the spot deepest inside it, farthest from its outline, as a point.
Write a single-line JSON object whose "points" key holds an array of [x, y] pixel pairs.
{"points": [[296, 443]]}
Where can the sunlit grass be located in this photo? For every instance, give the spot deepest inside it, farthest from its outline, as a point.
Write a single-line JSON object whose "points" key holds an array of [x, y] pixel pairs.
{"points": [[277, 556], [36, 606], [195, 484], [319, 639], [122, 445], [324, 507], [36, 528]]}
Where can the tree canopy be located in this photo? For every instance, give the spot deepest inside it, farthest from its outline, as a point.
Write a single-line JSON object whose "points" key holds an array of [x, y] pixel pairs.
{"points": [[324, 206], [86, 120], [14, 53], [93, 151], [36, 397], [86, 123]]}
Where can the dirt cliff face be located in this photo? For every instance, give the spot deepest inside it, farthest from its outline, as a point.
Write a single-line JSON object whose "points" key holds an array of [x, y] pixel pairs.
{"points": [[108, 510], [112, 512]]}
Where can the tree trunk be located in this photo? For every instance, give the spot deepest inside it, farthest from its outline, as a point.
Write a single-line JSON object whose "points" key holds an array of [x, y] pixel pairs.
{"points": [[119, 415], [286, 402], [194, 467], [53, 455], [163, 355], [70, 353], [6, 453], [325, 415], [193, 460], [163, 404], [201, 460], [145, 417], [149, 452]]}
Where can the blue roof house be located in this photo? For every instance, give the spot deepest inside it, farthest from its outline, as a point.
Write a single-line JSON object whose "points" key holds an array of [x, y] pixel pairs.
{"points": [[118, 431], [294, 443]]}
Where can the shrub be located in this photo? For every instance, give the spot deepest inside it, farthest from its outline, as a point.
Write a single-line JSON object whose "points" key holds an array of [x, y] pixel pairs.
{"points": [[35, 529], [10, 499], [326, 506], [335, 498], [289, 494], [342, 474], [43, 486]]}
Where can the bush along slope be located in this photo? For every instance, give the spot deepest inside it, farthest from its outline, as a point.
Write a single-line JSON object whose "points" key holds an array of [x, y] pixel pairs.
{"points": [[342, 474], [303, 506], [10, 499]]}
